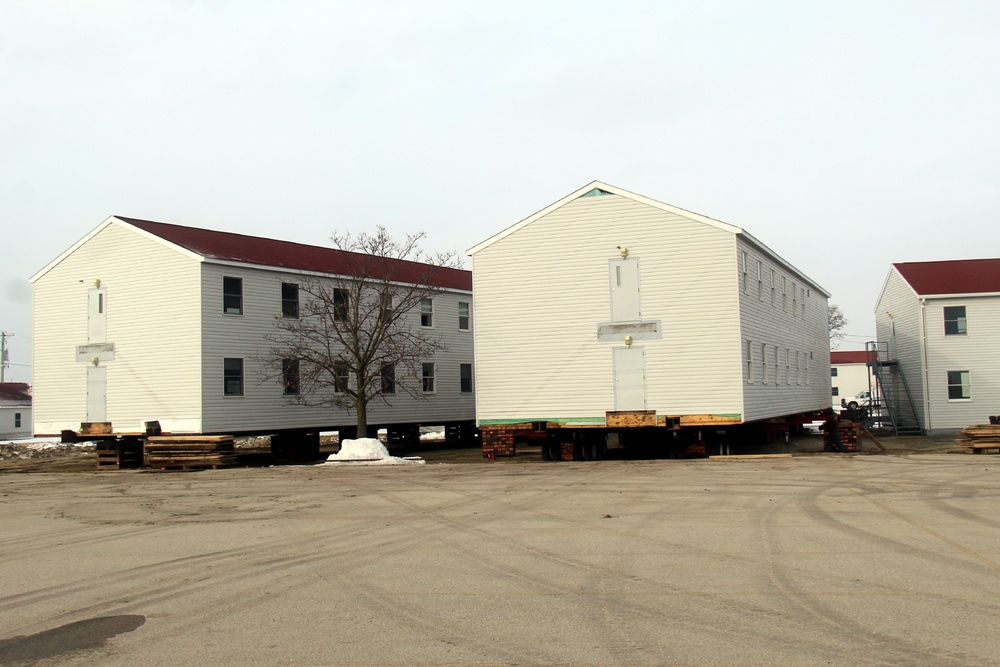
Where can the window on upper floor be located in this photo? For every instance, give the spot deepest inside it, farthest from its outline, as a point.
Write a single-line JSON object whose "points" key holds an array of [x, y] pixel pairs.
{"points": [[341, 304], [427, 312], [959, 385], [17, 420], [341, 376], [745, 269], [289, 300], [232, 295], [760, 280], [955, 323], [463, 316], [388, 376], [833, 372]]}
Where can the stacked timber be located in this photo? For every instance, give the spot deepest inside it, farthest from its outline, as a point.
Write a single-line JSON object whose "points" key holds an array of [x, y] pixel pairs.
{"points": [[190, 452], [981, 438]]}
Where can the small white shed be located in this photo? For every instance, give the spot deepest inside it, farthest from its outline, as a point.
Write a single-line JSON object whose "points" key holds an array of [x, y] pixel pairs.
{"points": [[608, 301], [144, 321], [15, 410]]}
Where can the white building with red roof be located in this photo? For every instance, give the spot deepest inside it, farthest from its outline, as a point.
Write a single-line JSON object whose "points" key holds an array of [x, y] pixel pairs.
{"points": [[939, 322], [15, 410], [848, 375], [143, 322]]}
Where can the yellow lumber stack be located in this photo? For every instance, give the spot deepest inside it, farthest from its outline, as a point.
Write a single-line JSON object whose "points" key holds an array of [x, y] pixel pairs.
{"points": [[188, 452], [981, 438]]}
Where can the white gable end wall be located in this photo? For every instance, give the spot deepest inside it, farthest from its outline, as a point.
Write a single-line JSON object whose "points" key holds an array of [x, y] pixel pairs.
{"points": [[152, 304], [899, 329], [543, 289]]}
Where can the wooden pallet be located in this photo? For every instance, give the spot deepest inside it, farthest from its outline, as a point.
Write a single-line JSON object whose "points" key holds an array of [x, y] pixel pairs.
{"points": [[119, 454], [190, 452], [981, 438]]}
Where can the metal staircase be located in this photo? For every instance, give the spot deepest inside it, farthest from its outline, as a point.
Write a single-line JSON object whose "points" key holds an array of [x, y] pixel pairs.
{"points": [[892, 400]]}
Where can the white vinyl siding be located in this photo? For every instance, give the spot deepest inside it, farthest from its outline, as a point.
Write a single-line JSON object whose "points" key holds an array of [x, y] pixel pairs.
{"points": [[540, 357], [899, 299], [152, 302], [265, 406], [794, 348]]}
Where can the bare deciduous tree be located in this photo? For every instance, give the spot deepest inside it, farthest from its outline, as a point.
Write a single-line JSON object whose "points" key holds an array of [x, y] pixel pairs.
{"points": [[357, 336], [837, 322]]}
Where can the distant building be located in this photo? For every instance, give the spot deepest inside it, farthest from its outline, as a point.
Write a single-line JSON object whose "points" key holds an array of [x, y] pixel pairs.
{"points": [[848, 374], [15, 410], [940, 322], [144, 321]]}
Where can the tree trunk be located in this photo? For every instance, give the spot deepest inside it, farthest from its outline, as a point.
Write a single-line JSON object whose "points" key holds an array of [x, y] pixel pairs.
{"points": [[362, 419]]}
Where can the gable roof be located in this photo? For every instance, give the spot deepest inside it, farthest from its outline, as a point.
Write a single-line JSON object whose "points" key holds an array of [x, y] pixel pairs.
{"points": [[848, 357], [227, 247], [599, 187], [960, 276]]}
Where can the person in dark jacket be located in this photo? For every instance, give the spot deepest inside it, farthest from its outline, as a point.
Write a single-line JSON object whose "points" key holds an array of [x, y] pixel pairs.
{"points": [[831, 442]]}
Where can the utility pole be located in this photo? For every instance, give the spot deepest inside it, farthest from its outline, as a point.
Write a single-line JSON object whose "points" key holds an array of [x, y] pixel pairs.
{"points": [[4, 359]]}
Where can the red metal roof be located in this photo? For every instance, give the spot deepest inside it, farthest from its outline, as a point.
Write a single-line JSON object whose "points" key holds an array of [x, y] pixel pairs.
{"points": [[293, 256], [848, 357], [15, 393], [960, 276]]}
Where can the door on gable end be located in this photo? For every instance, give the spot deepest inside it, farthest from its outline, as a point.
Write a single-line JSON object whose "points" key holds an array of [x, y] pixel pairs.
{"points": [[624, 277], [630, 378], [97, 315], [97, 393]]}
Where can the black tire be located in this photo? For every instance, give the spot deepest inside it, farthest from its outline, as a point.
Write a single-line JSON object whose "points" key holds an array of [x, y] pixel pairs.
{"points": [[853, 405]]}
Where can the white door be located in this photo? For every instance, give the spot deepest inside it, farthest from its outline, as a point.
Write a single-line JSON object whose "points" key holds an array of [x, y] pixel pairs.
{"points": [[630, 378], [97, 316], [624, 290], [97, 393]]}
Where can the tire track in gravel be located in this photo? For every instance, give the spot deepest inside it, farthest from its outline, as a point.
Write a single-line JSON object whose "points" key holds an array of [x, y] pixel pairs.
{"points": [[823, 614]]}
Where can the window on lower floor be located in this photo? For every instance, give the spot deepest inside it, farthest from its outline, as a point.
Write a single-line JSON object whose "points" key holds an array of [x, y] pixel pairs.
{"points": [[955, 323], [959, 385], [17, 420], [465, 374], [388, 376], [836, 391], [427, 378], [341, 376], [290, 377], [232, 376]]}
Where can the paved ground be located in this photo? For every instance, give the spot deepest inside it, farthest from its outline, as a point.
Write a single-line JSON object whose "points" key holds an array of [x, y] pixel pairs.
{"points": [[812, 560]]}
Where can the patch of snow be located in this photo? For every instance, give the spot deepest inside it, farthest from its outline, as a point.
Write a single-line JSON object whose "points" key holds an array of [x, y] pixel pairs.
{"points": [[367, 451]]}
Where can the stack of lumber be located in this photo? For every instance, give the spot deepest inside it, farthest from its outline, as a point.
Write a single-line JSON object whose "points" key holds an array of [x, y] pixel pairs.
{"points": [[981, 438], [190, 452]]}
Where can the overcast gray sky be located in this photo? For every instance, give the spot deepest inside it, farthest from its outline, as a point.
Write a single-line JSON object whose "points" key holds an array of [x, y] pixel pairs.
{"points": [[845, 135]]}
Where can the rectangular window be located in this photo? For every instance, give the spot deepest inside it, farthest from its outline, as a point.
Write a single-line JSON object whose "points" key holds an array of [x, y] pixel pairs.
{"points": [[959, 386], [795, 300], [290, 377], [427, 312], [955, 323], [465, 374], [774, 290], [341, 376], [427, 378], [289, 300], [833, 372], [388, 375], [763, 363], [749, 362], [788, 366], [341, 304], [232, 295], [17, 420], [836, 391], [760, 280], [463, 316], [802, 300], [232, 377], [784, 293], [745, 259], [777, 368]]}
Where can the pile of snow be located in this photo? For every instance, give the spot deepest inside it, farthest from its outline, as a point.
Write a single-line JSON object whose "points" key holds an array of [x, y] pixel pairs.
{"points": [[367, 451], [41, 448]]}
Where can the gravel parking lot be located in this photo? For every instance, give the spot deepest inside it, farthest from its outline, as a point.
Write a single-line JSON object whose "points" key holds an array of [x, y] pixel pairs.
{"points": [[810, 560]]}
